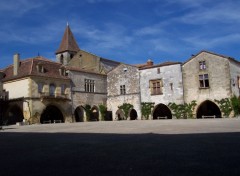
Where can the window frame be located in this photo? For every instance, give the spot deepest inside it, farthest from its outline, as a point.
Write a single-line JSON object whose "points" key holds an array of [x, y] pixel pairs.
{"points": [[156, 87], [202, 65], [40, 87], [204, 81], [89, 85], [122, 90]]}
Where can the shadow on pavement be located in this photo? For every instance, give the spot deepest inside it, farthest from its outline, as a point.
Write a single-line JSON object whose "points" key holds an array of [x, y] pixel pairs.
{"points": [[59, 154]]}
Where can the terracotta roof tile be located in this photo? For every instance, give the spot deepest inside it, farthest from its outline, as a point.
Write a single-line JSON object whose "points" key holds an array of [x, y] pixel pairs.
{"points": [[28, 67]]}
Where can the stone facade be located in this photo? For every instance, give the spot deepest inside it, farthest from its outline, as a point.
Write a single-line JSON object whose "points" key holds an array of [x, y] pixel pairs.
{"points": [[123, 87], [38, 92], [208, 77], [171, 77], [161, 84], [88, 88]]}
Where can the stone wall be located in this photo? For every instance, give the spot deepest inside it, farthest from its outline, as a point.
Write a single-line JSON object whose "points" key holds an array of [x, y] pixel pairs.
{"points": [[123, 75], [171, 77], [235, 77], [80, 97], [218, 70]]}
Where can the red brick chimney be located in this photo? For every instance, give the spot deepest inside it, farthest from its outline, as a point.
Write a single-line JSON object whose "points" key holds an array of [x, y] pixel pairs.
{"points": [[149, 62]]}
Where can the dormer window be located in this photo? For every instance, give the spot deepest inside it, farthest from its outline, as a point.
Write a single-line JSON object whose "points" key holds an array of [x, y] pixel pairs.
{"points": [[63, 72], [40, 68]]}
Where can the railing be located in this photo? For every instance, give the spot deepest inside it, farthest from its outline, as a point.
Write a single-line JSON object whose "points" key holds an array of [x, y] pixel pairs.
{"points": [[47, 95]]}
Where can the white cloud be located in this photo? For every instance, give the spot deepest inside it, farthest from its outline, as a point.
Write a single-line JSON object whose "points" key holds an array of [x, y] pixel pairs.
{"points": [[18, 8], [211, 42]]}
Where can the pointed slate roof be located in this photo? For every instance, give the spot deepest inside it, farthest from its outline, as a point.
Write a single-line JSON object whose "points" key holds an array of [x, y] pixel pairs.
{"points": [[68, 42]]}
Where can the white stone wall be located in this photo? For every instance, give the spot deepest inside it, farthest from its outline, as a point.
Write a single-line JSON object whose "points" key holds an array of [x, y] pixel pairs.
{"points": [[17, 88], [170, 74]]}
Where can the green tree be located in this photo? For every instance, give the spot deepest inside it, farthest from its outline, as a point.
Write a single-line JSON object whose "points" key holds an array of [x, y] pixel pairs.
{"points": [[103, 111], [146, 109], [225, 106], [125, 107]]}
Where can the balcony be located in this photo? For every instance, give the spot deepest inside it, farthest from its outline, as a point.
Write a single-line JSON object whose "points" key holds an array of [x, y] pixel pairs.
{"points": [[55, 96]]}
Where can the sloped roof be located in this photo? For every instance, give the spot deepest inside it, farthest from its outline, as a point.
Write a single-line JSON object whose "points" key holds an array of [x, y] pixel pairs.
{"points": [[146, 66], [28, 67], [209, 52], [68, 42]]}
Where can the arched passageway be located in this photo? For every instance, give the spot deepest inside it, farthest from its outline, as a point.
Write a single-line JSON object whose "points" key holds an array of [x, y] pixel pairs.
{"points": [[161, 111], [14, 115], [51, 113], [133, 114], [208, 109], [120, 115], [79, 114], [94, 114]]}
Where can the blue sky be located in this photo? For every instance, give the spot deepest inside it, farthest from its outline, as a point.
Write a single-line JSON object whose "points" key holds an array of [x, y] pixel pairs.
{"points": [[130, 31]]}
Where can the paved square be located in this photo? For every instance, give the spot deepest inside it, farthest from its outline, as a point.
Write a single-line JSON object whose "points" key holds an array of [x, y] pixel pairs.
{"points": [[158, 147]]}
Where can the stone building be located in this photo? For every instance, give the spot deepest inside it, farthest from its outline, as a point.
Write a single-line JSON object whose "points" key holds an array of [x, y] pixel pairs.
{"points": [[3, 99], [208, 77], [39, 91], [88, 89], [123, 87], [161, 84], [88, 74]]}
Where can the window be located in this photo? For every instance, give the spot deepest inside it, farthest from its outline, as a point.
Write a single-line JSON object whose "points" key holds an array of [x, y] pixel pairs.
{"points": [[63, 72], [156, 87], [63, 88], [61, 59], [202, 65], [40, 68], [52, 90], [122, 90], [238, 81], [40, 87], [158, 70], [203, 81], [89, 85]]}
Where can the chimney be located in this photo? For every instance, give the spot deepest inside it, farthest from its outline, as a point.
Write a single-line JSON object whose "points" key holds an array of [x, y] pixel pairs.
{"points": [[149, 62], [16, 61]]}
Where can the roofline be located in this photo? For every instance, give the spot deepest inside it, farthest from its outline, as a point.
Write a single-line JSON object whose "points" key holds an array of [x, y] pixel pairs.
{"points": [[32, 75], [99, 56], [120, 65], [85, 71], [209, 52], [160, 65]]}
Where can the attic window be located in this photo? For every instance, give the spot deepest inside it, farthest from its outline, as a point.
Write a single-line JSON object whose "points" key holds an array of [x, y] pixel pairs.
{"points": [[158, 70], [40, 68], [63, 72]]}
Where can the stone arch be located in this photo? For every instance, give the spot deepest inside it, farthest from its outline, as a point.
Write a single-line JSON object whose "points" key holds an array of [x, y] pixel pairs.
{"points": [[79, 114], [119, 115], [161, 111], [13, 115], [95, 114], [133, 114], [209, 109], [51, 114]]}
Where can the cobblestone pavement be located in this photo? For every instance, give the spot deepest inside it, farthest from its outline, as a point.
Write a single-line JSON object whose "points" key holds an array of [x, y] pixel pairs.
{"points": [[153, 147]]}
